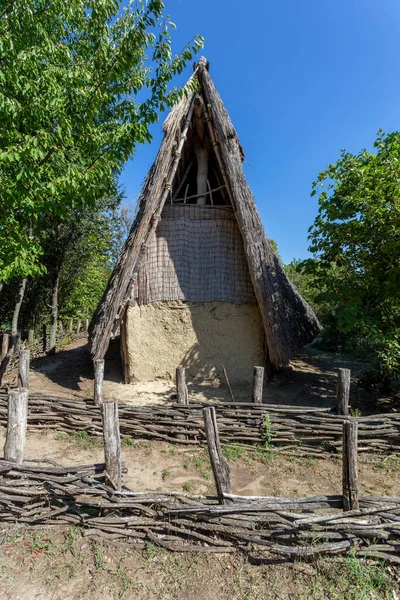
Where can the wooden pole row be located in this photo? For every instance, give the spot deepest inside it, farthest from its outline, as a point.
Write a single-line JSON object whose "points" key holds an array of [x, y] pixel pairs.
{"points": [[221, 470]]}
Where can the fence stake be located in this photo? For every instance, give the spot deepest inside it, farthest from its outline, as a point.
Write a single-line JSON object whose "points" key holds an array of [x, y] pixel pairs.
{"points": [[98, 380], [86, 324], [70, 326], [219, 464], [350, 473], [16, 425], [23, 369], [31, 336], [343, 391], [258, 380], [4, 345], [181, 387], [44, 334], [112, 444], [78, 326]]}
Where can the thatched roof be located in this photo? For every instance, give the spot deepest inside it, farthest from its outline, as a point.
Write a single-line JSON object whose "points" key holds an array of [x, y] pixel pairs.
{"points": [[288, 320]]}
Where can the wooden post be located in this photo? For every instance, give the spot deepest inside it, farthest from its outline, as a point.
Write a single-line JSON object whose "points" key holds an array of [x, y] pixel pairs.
{"points": [[78, 326], [350, 473], [181, 387], [70, 326], [86, 324], [98, 380], [60, 327], [258, 380], [23, 369], [112, 444], [31, 336], [343, 391], [219, 464], [44, 338], [16, 425], [4, 345]]}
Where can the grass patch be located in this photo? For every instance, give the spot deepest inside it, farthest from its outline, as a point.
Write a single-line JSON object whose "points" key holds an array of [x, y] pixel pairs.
{"points": [[188, 487], [350, 579], [233, 452], [82, 439]]}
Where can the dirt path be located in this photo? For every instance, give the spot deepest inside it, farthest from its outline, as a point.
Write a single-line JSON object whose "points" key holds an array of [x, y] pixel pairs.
{"points": [[310, 380]]}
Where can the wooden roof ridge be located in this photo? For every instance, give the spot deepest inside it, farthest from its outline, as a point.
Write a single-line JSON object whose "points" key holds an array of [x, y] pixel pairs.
{"points": [[289, 322]]}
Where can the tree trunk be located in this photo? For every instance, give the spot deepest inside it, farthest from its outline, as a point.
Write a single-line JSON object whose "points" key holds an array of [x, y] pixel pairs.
{"points": [[54, 315], [14, 329]]}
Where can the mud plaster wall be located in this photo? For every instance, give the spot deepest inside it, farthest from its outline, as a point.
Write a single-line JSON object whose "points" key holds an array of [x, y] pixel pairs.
{"points": [[158, 337]]}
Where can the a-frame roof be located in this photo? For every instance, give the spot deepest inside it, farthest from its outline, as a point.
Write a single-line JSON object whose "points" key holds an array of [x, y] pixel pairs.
{"points": [[288, 320]]}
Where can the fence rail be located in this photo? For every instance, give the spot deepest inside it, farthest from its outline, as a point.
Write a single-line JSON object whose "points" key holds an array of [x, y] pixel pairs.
{"points": [[307, 429]]}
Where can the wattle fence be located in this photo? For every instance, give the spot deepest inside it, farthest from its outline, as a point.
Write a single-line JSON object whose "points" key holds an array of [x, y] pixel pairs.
{"points": [[306, 430]]}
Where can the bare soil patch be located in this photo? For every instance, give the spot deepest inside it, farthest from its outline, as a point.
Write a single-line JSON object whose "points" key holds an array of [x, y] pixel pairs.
{"points": [[309, 381]]}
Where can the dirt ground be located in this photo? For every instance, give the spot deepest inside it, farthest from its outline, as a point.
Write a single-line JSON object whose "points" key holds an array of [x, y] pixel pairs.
{"points": [[63, 564], [309, 381], [162, 466], [60, 563]]}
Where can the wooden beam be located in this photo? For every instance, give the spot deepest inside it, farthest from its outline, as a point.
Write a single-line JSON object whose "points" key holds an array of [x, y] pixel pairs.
{"points": [[98, 380], [258, 380], [16, 425], [112, 444], [343, 391], [219, 464], [23, 369], [350, 471], [181, 387]]}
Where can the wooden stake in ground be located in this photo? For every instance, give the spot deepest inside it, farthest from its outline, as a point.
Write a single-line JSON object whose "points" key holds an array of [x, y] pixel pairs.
{"points": [[343, 391], [112, 444], [181, 387], [16, 425], [23, 369], [31, 336], [86, 324], [228, 384], [258, 380], [350, 472], [98, 380], [220, 466], [70, 326], [78, 326]]}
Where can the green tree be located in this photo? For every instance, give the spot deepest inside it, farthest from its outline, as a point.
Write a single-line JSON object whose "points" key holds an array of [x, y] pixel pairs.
{"points": [[80, 83], [357, 234]]}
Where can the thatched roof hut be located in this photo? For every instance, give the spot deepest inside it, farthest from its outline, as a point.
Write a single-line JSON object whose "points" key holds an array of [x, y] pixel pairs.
{"points": [[198, 243]]}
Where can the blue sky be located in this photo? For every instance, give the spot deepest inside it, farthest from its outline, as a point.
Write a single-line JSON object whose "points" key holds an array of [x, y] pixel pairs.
{"points": [[301, 79]]}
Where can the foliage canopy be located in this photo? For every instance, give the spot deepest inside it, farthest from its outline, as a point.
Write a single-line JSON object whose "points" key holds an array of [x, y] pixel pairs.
{"points": [[80, 83]]}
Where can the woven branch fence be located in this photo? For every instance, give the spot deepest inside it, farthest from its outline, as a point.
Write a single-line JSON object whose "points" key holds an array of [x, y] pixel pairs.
{"points": [[36, 494], [310, 430]]}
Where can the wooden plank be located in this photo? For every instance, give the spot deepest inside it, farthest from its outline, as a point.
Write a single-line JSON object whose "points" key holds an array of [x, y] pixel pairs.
{"points": [[112, 444], [350, 472], [343, 391], [219, 464], [16, 425], [258, 380]]}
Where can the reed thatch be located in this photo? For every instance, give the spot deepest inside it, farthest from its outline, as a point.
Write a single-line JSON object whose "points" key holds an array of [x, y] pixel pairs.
{"points": [[288, 320]]}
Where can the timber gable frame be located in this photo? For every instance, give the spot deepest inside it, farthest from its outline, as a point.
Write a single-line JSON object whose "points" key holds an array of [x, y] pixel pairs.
{"points": [[289, 322]]}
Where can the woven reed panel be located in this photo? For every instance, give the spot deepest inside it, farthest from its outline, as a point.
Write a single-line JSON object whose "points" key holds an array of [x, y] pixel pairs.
{"points": [[196, 254]]}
